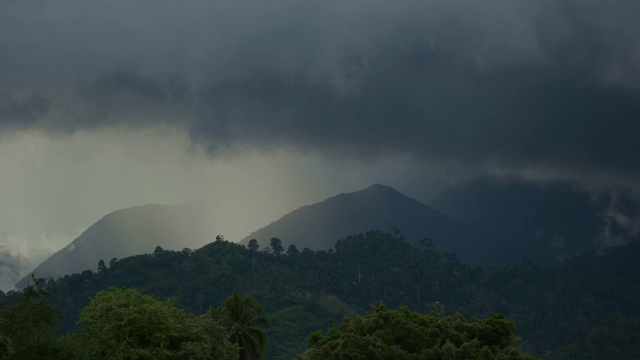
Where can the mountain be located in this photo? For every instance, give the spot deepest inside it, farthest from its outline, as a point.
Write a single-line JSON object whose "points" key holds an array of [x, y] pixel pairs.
{"points": [[377, 207], [547, 221], [127, 232]]}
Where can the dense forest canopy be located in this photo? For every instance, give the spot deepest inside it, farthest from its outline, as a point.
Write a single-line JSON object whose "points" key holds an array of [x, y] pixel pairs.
{"points": [[407, 335], [584, 308]]}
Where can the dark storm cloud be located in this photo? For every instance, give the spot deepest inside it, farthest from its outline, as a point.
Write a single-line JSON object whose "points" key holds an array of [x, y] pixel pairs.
{"points": [[510, 84], [132, 99], [20, 113]]}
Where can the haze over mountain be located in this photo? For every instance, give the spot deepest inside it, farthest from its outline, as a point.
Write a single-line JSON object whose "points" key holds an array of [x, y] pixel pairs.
{"points": [[301, 100], [127, 232], [19, 256], [140, 229], [484, 221], [11, 267], [544, 221], [262, 107], [377, 207]]}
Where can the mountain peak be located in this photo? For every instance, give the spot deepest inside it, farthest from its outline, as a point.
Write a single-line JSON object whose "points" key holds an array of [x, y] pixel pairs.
{"points": [[125, 232], [377, 207], [379, 188]]}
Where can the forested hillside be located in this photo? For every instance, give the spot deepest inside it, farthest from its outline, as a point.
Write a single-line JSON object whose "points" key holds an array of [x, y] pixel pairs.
{"points": [[585, 308]]}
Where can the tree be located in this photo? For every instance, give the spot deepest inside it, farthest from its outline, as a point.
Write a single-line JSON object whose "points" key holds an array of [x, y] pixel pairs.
{"points": [[253, 245], [28, 327], [276, 245], [292, 250], [396, 231], [253, 248], [6, 349], [427, 245], [404, 334], [243, 319], [101, 266], [123, 323]]}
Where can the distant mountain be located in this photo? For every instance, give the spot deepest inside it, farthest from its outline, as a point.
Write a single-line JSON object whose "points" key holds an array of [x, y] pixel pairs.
{"points": [[377, 207], [543, 221], [126, 232]]}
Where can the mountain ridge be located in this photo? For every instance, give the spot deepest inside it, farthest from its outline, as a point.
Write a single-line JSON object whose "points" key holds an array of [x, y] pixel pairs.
{"points": [[544, 221], [376, 207], [126, 232]]}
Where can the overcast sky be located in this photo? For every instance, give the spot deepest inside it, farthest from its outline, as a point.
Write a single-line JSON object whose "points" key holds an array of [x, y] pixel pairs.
{"points": [[265, 106]]}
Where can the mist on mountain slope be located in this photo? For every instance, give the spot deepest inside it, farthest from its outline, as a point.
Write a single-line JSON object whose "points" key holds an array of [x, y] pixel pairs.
{"points": [[128, 232], [544, 221], [488, 221], [537, 89], [19, 256]]}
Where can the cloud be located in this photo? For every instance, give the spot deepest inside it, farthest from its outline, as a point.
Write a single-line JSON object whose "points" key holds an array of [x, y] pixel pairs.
{"points": [[621, 220], [552, 86], [18, 113], [18, 256]]}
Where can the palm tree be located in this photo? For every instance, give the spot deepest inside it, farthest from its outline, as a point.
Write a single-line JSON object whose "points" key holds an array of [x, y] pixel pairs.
{"points": [[243, 318]]}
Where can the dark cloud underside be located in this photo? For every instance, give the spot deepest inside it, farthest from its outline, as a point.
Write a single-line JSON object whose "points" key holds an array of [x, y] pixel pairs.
{"points": [[509, 84]]}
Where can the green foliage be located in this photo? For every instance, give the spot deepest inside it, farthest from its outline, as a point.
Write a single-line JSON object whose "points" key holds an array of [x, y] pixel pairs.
{"points": [[292, 250], [243, 319], [253, 245], [126, 324], [101, 266], [6, 346], [404, 334], [276, 246], [28, 327], [585, 308]]}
